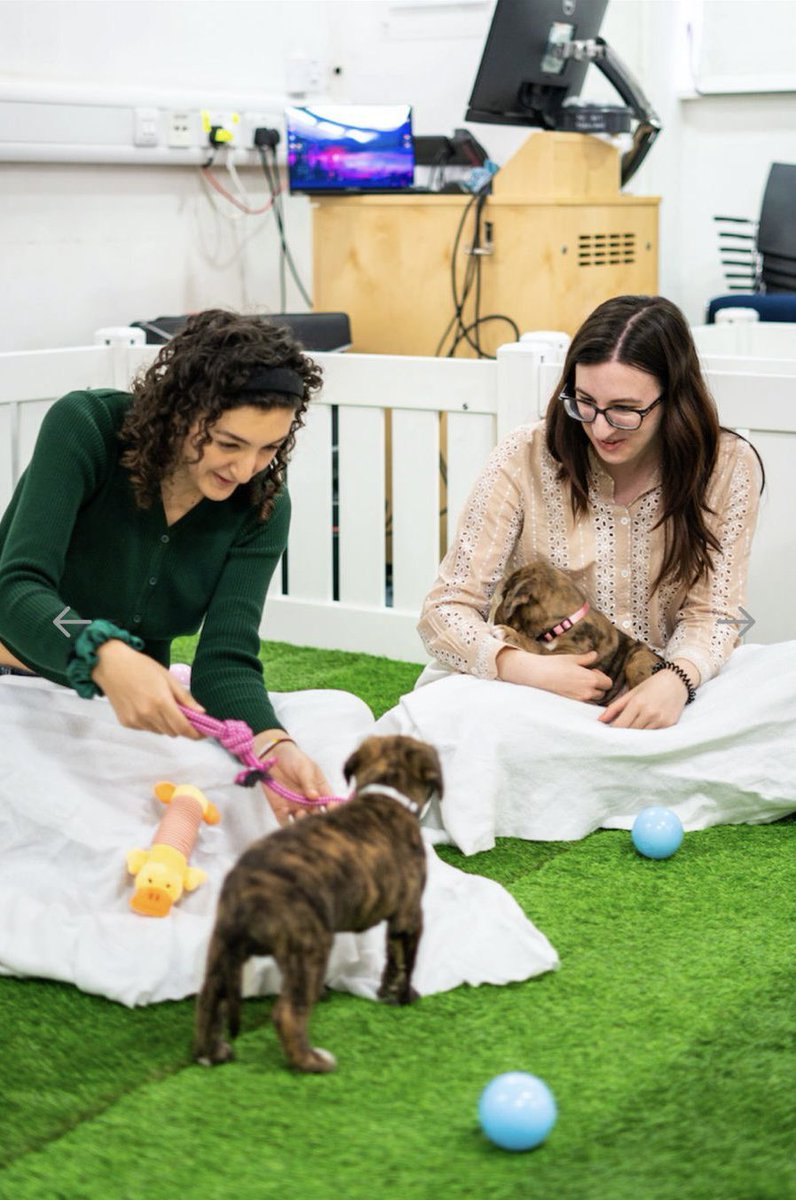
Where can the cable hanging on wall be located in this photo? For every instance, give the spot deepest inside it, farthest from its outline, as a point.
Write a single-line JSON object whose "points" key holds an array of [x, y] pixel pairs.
{"points": [[462, 331], [241, 201], [266, 140]]}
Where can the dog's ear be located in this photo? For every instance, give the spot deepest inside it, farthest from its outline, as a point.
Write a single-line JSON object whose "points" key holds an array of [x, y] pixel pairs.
{"points": [[352, 765], [515, 593]]}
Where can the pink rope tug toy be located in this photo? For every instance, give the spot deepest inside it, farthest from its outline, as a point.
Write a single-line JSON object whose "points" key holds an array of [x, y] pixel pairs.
{"points": [[237, 737]]}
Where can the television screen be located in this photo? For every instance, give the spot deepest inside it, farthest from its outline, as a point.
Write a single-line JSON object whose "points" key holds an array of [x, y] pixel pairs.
{"points": [[347, 147]]}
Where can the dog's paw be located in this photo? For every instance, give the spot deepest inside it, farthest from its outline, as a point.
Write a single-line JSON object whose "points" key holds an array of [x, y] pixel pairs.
{"points": [[397, 994], [222, 1052], [317, 1062]]}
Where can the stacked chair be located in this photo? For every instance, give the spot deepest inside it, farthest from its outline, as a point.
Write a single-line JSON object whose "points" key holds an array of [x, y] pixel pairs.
{"points": [[759, 257]]}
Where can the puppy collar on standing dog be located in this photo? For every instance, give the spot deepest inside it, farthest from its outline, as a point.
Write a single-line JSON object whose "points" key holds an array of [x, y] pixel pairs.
{"points": [[550, 635], [383, 789]]}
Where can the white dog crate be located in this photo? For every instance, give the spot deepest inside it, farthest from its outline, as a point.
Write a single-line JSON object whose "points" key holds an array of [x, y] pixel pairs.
{"points": [[371, 511], [370, 454]]}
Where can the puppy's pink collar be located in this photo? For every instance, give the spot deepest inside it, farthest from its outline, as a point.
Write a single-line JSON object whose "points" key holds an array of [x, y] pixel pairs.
{"points": [[550, 635]]}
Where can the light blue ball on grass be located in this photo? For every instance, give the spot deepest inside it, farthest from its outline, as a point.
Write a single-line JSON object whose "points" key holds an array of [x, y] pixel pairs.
{"points": [[517, 1110], [657, 832]]}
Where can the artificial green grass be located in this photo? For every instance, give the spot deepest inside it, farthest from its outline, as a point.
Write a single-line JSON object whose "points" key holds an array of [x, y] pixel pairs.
{"points": [[380, 682], [668, 1037]]}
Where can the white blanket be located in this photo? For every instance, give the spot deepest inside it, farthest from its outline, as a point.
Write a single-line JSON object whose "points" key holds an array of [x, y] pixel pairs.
{"points": [[76, 795], [525, 763]]}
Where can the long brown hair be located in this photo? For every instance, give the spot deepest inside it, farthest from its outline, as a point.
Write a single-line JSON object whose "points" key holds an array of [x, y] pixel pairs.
{"points": [[202, 371], [651, 334]]}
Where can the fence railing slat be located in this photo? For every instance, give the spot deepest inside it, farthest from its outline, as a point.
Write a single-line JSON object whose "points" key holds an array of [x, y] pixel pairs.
{"points": [[481, 401], [415, 506], [310, 484], [402, 382], [471, 438], [361, 510], [8, 453], [47, 374]]}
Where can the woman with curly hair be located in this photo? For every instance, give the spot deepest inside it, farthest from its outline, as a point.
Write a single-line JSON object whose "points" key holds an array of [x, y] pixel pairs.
{"points": [[149, 515]]}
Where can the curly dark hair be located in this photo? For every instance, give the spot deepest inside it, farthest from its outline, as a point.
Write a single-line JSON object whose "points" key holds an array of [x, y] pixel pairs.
{"points": [[651, 334], [200, 373]]}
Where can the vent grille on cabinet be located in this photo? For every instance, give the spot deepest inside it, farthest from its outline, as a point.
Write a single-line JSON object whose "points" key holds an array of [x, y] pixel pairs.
{"points": [[606, 249]]}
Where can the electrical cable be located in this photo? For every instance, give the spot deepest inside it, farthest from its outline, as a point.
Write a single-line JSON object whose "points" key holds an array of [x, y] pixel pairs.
{"points": [[239, 187], [472, 274], [279, 215], [469, 333], [482, 321], [272, 181], [207, 174], [458, 304]]}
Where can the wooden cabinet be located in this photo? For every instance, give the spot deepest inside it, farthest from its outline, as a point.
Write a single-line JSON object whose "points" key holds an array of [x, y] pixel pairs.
{"points": [[563, 239]]}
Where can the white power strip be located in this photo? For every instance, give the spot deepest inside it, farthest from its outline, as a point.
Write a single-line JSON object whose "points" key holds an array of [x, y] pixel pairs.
{"points": [[70, 125]]}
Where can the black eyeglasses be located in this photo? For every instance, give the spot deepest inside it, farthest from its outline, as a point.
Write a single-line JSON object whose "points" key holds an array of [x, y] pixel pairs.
{"points": [[619, 416]]}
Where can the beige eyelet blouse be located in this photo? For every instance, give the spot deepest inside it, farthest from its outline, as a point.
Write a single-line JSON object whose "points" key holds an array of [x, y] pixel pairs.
{"points": [[519, 511]]}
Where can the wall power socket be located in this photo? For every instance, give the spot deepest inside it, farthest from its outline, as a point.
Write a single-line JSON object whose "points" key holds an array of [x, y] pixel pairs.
{"points": [[179, 134]]}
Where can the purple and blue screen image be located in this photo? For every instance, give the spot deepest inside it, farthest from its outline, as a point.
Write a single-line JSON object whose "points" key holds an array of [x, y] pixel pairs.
{"points": [[334, 148]]}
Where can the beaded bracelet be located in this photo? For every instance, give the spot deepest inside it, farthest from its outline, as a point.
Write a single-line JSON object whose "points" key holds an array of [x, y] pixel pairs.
{"points": [[84, 655], [681, 675]]}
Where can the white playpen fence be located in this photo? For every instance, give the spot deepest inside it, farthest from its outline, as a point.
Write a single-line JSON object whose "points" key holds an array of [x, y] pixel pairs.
{"points": [[370, 514]]}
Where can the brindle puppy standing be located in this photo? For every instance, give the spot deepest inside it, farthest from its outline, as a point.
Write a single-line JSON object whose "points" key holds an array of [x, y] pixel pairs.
{"points": [[291, 891], [537, 598]]}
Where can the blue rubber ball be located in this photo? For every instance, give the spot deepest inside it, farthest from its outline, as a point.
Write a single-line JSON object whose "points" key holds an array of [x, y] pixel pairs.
{"points": [[517, 1110], [657, 832]]}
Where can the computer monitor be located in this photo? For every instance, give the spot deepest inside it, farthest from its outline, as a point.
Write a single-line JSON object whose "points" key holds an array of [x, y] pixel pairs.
{"points": [[348, 147], [533, 65], [521, 79]]}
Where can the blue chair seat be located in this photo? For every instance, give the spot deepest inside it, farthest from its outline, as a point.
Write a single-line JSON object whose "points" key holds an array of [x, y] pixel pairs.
{"points": [[781, 306]]}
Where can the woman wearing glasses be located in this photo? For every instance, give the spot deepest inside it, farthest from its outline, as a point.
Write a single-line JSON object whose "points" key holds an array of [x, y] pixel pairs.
{"points": [[630, 486]]}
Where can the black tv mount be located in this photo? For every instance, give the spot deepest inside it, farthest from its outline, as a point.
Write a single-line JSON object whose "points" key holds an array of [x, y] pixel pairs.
{"points": [[586, 118]]}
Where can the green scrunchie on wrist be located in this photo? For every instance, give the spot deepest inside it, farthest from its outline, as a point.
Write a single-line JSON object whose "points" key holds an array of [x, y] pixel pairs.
{"points": [[84, 656]]}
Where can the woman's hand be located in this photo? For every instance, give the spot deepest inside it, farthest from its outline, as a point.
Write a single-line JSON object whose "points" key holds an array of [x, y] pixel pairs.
{"points": [[296, 771], [654, 704], [142, 693], [569, 675]]}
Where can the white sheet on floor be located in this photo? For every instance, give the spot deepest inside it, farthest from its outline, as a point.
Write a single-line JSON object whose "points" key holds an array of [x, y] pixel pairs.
{"points": [[76, 794], [525, 763]]}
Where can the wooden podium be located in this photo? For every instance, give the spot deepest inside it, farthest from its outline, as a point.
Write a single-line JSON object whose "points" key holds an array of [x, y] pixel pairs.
{"points": [[563, 239]]}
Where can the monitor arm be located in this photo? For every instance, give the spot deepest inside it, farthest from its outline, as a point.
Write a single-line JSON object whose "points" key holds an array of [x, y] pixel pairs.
{"points": [[597, 51]]}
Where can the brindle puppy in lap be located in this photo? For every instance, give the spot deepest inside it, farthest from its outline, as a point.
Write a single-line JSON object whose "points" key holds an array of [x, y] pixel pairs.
{"points": [[349, 869], [542, 611]]}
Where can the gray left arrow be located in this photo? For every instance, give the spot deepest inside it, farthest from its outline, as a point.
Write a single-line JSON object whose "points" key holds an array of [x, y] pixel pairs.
{"points": [[60, 623]]}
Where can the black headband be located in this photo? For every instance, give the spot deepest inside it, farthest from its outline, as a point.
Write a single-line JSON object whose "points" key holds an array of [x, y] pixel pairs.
{"points": [[275, 379]]}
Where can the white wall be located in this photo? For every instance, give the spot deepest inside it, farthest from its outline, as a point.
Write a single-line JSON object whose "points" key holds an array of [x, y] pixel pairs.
{"points": [[85, 246]]}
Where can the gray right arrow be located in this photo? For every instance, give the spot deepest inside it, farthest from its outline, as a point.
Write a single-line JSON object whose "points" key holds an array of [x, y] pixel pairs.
{"points": [[744, 622]]}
